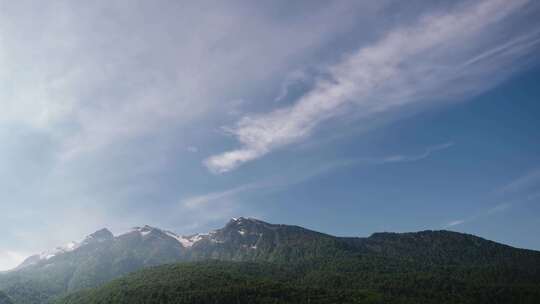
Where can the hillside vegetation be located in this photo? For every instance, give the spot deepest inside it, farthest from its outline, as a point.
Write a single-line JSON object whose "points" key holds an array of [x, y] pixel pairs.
{"points": [[4, 299], [361, 280], [252, 261]]}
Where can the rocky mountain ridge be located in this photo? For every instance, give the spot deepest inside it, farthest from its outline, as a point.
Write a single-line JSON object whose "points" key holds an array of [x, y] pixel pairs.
{"points": [[101, 256]]}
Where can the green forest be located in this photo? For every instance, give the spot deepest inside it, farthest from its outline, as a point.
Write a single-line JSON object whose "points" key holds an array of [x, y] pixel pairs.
{"points": [[290, 264], [352, 280]]}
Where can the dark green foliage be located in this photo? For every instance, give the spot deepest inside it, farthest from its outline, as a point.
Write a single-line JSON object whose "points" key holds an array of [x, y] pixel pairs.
{"points": [[290, 261], [267, 242], [444, 247], [218, 282], [4, 299], [361, 280], [89, 266]]}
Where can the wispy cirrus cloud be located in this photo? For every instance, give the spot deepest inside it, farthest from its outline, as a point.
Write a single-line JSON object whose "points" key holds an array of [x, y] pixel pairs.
{"points": [[526, 182], [454, 223], [279, 182], [91, 102], [410, 158], [492, 210], [442, 56], [198, 201], [100, 80], [523, 189]]}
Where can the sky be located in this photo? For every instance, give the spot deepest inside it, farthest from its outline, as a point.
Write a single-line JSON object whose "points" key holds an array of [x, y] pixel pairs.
{"points": [[346, 117]]}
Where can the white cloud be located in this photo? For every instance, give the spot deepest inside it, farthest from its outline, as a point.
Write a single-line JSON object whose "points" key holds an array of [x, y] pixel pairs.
{"points": [[491, 211], [286, 179], [104, 93], [296, 77], [84, 90], [411, 158], [454, 223], [499, 208], [199, 201], [395, 158], [440, 57], [93, 84], [520, 191], [528, 181]]}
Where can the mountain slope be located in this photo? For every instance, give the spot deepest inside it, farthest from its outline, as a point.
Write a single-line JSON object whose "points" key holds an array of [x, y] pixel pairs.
{"points": [[4, 299], [212, 282], [249, 282], [102, 257], [98, 259], [253, 240], [443, 248]]}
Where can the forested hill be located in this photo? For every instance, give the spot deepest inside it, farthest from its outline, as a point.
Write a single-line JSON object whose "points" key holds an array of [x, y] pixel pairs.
{"points": [[432, 257], [443, 247], [350, 280], [4, 299]]}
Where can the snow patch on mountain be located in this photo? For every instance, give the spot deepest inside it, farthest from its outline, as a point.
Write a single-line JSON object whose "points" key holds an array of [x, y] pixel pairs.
{"points": [[105, 235], [46, 255], [143, 231], [188, 241], [97, 237]]}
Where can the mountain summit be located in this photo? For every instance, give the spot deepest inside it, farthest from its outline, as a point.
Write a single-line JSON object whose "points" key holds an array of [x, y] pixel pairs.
{"points": [[101, 256]]}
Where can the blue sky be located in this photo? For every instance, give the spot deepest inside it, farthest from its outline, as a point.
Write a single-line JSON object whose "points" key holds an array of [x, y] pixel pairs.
{"points": [[346, 117]]}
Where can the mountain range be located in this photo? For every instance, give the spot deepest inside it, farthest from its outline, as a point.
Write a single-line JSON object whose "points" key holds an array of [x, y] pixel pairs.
{"points": [[293, 261]]}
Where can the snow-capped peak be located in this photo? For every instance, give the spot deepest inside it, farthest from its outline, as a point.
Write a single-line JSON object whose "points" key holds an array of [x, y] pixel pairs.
{"points": [[145, 230], [240, 220], [98, 236], [187, 241], [45, 255], [71, 246]]}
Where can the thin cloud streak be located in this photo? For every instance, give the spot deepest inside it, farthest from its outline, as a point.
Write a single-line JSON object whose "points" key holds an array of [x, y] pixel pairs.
{"points": [[148, 74], [407, 67], [496, 209], [92, 112], [454, 223], [410, 158], [519, 186], [528, 181], [203, 201]]}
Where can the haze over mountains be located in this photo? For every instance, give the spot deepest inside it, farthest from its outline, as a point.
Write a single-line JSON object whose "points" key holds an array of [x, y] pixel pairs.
{"points": [[102, 257]]}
